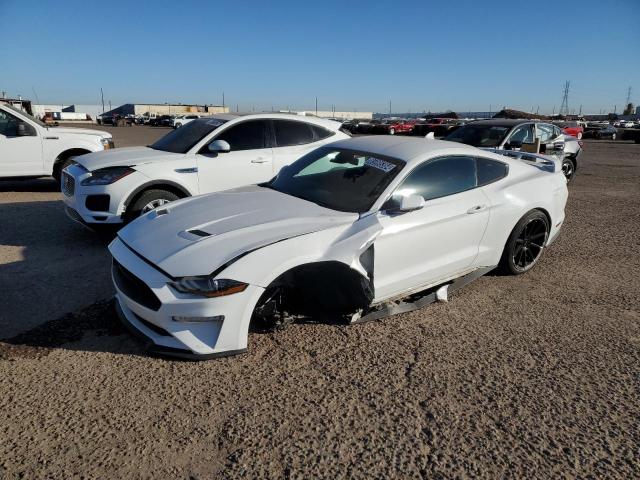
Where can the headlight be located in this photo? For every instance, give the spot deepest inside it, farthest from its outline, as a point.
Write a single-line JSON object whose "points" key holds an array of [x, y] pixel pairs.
{"points": [[107, 143], [208, 287], [107, 176]]}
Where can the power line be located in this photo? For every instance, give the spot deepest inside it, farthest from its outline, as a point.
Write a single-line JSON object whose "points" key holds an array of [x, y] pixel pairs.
{"points": [[564, 108]]}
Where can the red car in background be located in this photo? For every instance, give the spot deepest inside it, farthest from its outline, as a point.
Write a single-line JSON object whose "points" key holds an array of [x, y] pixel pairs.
{"points": [[393, 126], [572, 128]]}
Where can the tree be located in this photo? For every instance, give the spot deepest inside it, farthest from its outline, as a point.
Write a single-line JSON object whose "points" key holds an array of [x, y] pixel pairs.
{"points": [[629, 110]]}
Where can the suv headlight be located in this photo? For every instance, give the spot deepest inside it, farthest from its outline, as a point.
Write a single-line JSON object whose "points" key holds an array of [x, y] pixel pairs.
{"points": [[107, 176], [107, 143], [208, 287]]}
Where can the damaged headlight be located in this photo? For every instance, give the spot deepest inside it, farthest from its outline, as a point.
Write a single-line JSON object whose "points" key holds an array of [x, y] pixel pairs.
{"points": [[208, 287], [107, 176], [107, 143]]}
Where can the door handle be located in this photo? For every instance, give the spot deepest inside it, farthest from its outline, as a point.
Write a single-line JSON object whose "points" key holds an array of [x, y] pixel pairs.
{"points": [[260, 160], [477, 208]]}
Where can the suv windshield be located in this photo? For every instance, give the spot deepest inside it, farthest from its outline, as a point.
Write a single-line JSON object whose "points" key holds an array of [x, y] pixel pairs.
{"points": [[22, 112], [341, 180], [184, 138], [479, 135]]}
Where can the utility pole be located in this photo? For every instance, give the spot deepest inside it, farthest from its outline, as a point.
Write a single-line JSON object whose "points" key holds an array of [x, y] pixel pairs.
{"points": [[102, 95], [537, 109], [628, 96], [223, 101], [554, 111], [564, 108], [389, 107], [580, 112], [316, 106]]}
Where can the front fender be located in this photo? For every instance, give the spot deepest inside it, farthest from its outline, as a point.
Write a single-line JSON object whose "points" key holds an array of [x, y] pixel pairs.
{"points": [[338, 244]]}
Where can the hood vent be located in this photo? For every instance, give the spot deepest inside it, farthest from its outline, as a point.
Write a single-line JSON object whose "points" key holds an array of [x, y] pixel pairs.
{"points": [[200, 233], [193, 235]]}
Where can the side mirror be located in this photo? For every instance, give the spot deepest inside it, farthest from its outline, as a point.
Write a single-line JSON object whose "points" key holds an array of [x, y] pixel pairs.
{"points": [[23, 130], [513, 145], [219, 146], [409, 203], [403, 204]]}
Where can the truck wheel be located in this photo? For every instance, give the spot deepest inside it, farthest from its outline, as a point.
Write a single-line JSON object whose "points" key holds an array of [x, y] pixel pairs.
{"points": [[148, 201]]}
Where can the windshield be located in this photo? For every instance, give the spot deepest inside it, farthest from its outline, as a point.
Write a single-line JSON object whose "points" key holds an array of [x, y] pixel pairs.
{"points": [[341, 180], [479, 135], [184, 138], [25, 114]]}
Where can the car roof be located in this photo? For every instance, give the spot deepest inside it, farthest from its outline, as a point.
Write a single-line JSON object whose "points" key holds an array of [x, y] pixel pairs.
{"points": [[227, 117], [505, 122], [408, 149]]}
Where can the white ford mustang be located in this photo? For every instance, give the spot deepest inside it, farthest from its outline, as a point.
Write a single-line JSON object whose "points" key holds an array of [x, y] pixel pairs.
{"points": [[360, 229]]}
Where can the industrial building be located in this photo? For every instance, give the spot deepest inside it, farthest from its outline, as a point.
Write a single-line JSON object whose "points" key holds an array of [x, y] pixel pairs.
{"points": [[147, 109]]}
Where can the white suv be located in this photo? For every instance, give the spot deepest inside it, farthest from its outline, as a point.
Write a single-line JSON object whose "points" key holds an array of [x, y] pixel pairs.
{"points": [[206, 155], [183, 120], [30, 148]]}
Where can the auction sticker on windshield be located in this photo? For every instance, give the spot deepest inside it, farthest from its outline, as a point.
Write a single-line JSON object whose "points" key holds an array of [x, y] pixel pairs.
{"points": [[383, 165]]}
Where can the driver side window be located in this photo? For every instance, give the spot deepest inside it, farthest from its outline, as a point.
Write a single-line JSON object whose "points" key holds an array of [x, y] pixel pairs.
{"points": [[249, 135], [8, 124], [440, 178]]}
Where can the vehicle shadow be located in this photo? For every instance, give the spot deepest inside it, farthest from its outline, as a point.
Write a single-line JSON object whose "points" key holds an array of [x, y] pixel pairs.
{"points": [[48, 266], [43, 184]]}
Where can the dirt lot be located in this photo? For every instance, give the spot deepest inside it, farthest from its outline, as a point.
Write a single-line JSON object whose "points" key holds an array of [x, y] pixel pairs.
{"points": [[530, 377]]}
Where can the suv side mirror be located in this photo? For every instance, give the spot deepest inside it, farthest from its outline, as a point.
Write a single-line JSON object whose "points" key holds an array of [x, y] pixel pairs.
{"points": [[24, 130], [219, 146]]}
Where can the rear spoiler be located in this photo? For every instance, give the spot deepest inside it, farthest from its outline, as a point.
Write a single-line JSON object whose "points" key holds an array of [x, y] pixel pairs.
{"points": [[544, 162]]}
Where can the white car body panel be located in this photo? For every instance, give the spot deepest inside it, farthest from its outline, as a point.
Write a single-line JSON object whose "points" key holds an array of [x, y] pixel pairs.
{"points": [[192, 173], [254, 235], [36, 155]]}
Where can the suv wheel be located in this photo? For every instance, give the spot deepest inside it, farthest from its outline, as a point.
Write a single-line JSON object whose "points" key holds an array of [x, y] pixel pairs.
{"points": [[148, 201]]}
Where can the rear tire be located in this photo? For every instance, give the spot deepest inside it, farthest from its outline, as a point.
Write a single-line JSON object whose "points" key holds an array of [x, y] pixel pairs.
{"points": [[148, 201], [568, 168], [525, 244]]}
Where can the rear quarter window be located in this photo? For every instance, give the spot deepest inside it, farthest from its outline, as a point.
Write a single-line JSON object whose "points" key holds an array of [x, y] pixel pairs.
{"points": [[490, 171], [291, 132]]}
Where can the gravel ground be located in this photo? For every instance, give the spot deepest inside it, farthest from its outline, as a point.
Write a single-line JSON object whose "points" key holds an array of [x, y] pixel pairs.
{"points": [[534, 376]]}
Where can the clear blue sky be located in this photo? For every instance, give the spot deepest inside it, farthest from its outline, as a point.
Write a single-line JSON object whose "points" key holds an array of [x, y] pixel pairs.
{"points": [[456, 54]]}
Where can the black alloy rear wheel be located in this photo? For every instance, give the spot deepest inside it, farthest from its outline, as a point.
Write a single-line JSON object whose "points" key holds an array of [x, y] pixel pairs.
{"points": [[526, 243]]}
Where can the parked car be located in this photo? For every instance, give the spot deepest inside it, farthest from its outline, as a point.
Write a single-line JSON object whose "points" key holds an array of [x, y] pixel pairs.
{"points": [[440, 127], [346, 231], [206, 155], [600, 131], [183, 120], [571, 128], [160, 120], [522, 134], [392, 126], [30, 148]]}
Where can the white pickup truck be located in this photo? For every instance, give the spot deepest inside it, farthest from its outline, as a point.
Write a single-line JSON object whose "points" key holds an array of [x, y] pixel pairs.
{"points": [[29, 148]]}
